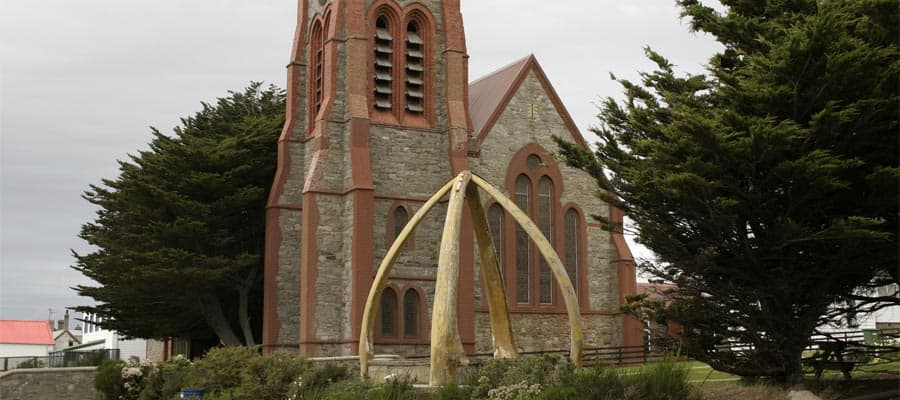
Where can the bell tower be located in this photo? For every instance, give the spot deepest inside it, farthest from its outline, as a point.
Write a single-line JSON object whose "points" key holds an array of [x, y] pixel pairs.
{"points": [[376, 120]]}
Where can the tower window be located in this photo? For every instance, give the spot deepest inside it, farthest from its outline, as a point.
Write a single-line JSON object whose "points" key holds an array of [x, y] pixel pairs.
{"points": [[317, 69], [384, 65], [415, 69]]}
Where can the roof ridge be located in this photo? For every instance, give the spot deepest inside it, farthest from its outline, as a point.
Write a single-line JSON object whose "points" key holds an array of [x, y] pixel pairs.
{"points": [[502, 69]]}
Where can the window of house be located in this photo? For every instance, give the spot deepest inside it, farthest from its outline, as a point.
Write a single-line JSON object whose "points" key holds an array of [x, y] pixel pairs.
{"points": [[400, 319], [573, 241], [523, 243], [384, 66], [411, 313], [388, 313], [401, 217], [535, 188], [544, 219]]}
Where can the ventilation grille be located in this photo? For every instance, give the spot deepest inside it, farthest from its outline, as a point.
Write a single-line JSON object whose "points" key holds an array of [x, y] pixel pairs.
{"points": [[383, 65], [415, 69]]}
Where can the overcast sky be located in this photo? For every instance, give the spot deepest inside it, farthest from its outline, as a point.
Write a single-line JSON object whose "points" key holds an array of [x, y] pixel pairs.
{"points": [[82, 80]]}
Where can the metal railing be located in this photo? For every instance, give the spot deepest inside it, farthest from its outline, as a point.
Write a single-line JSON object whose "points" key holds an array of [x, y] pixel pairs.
{"points": [[60, 359]]}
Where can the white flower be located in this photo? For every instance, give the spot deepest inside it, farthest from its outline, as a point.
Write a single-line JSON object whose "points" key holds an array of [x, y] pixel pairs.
{"points": [[131, 372]]}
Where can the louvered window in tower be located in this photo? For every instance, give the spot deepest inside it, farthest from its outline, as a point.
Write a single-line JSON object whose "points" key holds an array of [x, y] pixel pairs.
{"points": [[415, 69], [384, 67], [317, 54]]}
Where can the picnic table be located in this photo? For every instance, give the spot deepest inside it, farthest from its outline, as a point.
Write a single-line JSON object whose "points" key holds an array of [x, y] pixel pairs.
{"points": [[832, 358]]}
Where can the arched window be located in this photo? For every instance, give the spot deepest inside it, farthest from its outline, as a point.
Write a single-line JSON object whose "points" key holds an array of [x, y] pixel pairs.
{"points": [[388, 313], [535, 184], [384, 66], [401, 217], [573, 241], [544, 219], [523, 243], [317, 72], [415, 69], [411, 313]]}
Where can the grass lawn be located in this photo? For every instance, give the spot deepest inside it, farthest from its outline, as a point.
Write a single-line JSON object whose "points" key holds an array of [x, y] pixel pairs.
{"points": [[716, 385]]}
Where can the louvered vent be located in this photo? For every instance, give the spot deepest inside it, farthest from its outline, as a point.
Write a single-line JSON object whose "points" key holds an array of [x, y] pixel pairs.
{"points": [[319, 76], [383, 65], [415, 70]]}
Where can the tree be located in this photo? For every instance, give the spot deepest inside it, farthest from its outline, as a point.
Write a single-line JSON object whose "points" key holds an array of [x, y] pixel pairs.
{"points": [[179, 234], [768, 189]]}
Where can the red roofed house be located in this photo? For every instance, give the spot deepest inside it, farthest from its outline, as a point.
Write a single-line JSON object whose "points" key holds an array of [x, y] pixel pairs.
{"points": [[25, 338]]}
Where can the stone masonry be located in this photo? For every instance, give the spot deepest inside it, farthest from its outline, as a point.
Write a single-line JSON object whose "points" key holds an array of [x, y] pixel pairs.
{"points": [[346, 165]]}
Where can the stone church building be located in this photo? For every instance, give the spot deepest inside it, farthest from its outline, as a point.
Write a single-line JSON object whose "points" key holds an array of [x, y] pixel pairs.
{"points": [[380, 115]]}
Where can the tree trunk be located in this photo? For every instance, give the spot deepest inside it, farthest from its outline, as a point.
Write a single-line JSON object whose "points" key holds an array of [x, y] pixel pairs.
{"points": [[215, 318], [243, 308]]}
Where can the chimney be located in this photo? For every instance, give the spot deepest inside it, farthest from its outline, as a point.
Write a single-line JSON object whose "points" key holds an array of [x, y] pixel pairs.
{"points": [[59, 325], [66, 326]]}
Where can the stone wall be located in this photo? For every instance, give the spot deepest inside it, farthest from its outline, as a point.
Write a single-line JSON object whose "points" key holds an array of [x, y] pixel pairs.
{"points": [[548, 332], [48, 384]]}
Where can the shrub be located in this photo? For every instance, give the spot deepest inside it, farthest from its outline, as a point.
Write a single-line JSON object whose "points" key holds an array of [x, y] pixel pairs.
{"points": [[533, 370], [270, 377], [219, 371], [108, 380], [165, 380]]}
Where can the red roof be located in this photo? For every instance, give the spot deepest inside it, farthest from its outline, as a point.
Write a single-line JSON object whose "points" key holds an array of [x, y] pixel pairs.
{"points": [[25, 332]]}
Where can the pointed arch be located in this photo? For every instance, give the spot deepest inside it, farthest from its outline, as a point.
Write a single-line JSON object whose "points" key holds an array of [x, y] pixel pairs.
{"points": [[385, 35]]}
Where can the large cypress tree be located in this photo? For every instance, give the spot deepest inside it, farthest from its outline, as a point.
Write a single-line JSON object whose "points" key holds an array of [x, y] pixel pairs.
{"points": [[768, 188], [179, 233]]}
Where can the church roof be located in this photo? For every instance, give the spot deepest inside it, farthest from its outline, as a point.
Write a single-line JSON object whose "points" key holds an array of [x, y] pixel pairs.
{"points": [[489, 95], [25, 332]]}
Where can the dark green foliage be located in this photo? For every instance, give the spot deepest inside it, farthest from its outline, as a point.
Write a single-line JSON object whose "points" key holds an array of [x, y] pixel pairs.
{"points": [[180, 232], [108, 380], [769, 188]]}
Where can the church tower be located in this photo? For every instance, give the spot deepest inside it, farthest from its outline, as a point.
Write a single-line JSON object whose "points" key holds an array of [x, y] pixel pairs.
{"points": [[376, 121]]}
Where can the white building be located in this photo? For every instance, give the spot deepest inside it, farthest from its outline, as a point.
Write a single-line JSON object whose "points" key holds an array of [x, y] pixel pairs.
{"points": [[94, 337]]}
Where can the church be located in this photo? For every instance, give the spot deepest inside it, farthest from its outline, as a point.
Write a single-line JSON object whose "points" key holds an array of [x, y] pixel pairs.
{"points": [[380, 115]]}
